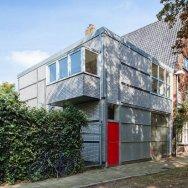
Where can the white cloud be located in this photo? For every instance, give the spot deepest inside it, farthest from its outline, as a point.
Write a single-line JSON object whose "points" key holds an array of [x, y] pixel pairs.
{"points": [[28, 58], [125, 5]]}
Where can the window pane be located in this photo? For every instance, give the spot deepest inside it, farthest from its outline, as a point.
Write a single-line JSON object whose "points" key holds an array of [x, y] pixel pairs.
{"points": [[161, 73], [63, 68], [186, 64], [90, 62], [167, 78], [52, 72], [75, 62], [154, 70], [161, 88], [154, 85], [168, 91]]}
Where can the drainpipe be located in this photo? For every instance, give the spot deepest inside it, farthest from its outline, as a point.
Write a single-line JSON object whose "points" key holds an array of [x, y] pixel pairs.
{"points": [[103, 103]]}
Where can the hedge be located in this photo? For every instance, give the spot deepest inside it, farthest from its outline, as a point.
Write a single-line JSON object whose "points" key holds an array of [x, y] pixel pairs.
{"points": [[36, 144]]}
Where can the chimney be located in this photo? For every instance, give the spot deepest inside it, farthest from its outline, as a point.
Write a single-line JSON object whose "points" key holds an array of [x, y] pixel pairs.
{"points": [[90, 30]]}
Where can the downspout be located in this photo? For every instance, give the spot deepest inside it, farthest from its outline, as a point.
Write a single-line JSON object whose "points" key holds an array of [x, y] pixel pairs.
{"points": [[103, 103]]}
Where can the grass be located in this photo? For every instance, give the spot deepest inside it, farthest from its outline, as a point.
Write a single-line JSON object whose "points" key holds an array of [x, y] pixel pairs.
{"points": [[173, 178]]}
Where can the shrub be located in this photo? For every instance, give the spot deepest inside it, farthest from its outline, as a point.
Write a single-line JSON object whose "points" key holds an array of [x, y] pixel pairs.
{"points": [[37, 144]]}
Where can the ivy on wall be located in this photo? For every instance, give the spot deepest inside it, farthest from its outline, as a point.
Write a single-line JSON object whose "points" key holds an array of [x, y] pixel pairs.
{"points": [[36, 144]]}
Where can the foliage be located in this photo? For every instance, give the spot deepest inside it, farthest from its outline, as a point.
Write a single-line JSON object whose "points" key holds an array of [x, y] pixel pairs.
{"points": [[171, 12], [33, 141], [181, 116]]}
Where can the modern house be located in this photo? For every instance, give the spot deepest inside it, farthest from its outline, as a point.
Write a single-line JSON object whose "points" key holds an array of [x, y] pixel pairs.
{"points": [[126, 93]]}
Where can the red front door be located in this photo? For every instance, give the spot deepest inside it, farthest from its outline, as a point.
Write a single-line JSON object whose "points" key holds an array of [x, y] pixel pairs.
{"points": [[113, 144]]}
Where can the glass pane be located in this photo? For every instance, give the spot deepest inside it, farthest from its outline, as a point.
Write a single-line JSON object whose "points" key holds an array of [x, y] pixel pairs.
{"points": [[161, 73], [167, 78], [90, 62], [161, 88], [75, 62], [168, 91], [154, 70], [52, 72], [63, 68], [154, 85], [186, 64]]}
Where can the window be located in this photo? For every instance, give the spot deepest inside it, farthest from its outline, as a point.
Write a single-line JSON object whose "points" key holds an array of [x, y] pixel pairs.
{"points": [[75, 62], [185, 133], [161, 88], [167, 78], [63, 68], [154, 85], [154, 70], [161, 73], [111, 111], [167, 91], [90, 62], [52, 72], [185, 64], [160, 81]]}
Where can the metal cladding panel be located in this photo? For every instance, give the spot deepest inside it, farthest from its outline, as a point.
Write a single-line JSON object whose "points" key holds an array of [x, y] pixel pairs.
{"points": [[135, 151], [91, 86], [94, 44], [28, 79], [92, 140], [135, 78], [42, 93], [32, 102], [29, 92], [42, 73], [135, 133], [161, 104], [134, 59], [136, 116], [65, 89], [135, 97], [111, 59], [73, 87], [91, 108]]}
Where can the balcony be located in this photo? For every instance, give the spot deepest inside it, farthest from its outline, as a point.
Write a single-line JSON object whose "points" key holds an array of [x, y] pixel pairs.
{"points": [[78, 88]]}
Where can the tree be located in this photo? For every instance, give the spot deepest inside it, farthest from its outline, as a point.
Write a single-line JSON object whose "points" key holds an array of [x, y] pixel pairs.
{"points": [[171, 12]]}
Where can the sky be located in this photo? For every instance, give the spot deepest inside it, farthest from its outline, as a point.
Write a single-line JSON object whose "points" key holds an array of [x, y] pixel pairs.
{"points": [[32, 30]]}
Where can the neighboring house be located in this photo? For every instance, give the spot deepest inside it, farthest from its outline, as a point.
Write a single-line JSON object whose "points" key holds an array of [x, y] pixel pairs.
{"points": [[157, 39], [126, 93]]}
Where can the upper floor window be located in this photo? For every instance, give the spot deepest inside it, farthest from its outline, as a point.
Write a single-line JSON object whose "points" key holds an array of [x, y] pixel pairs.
{"points": [[75, 62], [90, 62], [63, 68], [160, 81], [52, 72]]}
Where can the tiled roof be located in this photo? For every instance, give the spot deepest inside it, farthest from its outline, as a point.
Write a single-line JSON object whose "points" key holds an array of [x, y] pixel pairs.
{"points": [[156, 39]]}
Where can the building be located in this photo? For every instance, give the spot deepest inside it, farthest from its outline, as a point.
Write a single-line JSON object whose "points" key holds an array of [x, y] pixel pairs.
{"points": [[126, 93], [157, 39]]}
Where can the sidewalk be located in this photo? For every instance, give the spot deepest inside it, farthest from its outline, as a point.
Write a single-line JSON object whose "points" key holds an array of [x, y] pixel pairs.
{"points": [[93, 177]]}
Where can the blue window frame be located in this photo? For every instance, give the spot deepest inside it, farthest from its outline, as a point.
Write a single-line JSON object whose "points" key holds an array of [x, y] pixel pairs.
{"points": [[63, 68], [52, 72], [75, 62]]}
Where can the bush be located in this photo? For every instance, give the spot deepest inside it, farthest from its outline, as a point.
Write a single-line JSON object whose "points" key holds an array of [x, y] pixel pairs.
{"points": [[37, 144]]}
